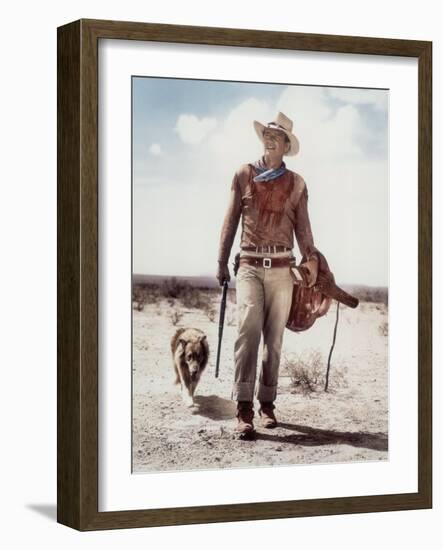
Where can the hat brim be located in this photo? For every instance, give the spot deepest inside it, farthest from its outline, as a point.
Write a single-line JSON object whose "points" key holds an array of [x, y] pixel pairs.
{"points": [[295, 145]]}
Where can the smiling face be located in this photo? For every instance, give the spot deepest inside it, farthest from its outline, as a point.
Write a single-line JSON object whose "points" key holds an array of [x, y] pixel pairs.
{"points": [[276, 143]]}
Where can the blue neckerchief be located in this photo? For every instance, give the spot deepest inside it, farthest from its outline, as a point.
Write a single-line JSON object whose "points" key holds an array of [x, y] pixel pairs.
{"points": [[267, 174]]}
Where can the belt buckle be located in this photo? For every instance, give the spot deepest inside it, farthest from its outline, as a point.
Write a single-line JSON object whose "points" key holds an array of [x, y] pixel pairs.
{"points": [[267, 263]]}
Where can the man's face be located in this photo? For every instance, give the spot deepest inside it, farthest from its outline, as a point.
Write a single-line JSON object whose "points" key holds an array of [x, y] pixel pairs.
{"points": [[275, 142]]}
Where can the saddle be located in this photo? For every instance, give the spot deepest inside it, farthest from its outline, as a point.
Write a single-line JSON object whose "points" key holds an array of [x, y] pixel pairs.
{"points": [[310, 303]]}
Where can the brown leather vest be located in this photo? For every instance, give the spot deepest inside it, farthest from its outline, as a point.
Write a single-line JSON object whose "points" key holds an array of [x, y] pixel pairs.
{"points": [[271, 212]]}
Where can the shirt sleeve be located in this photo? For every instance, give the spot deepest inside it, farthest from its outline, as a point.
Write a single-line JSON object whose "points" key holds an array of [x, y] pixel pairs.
{"points": [[230, 222], [302, 227]]}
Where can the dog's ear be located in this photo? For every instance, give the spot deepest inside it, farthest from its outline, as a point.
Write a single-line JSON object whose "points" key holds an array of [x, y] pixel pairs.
{"points": [[202, 338], [182, 342]]}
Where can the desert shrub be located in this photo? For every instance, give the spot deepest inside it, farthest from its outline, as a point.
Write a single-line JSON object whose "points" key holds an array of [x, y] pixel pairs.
{"points": [[370, 294], [138, 298], [143, 294], [173, 288], [194, 298], [383, 328], [211, 313], [190, 296], [175, 316], [307, 372], [178, 292]]}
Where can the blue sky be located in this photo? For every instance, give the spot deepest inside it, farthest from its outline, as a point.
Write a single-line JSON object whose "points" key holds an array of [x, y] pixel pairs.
{"points": [[189, 136], [159, 101]]}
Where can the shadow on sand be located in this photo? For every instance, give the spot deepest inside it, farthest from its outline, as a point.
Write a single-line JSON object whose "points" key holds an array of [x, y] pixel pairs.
{"points": [[313, 436], [215, 407]]}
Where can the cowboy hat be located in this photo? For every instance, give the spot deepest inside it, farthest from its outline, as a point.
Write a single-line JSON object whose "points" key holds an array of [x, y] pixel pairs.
{"points": [[283, 123]]}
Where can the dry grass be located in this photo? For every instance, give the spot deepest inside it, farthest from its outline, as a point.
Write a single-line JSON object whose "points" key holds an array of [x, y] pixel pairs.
{"points": [[307, 371], [138, 298], [370, 294], [211, 313], [175, 316], [179, 295], [383, 328]]}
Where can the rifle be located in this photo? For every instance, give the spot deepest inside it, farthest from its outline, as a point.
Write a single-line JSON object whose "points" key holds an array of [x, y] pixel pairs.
{"points": [[220, 324]]}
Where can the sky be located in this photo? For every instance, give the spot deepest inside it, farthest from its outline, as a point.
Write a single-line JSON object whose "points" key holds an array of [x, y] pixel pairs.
{"points": [[190, 136]]}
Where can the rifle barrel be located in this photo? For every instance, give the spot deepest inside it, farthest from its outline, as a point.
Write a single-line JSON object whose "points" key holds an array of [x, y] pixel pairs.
{"points": [[220, 325]]}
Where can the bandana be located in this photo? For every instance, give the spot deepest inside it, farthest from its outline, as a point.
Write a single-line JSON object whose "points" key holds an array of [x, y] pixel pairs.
{"points": [[267, 174]]}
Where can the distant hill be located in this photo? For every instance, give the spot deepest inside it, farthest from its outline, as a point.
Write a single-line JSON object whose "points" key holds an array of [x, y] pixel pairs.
{"points": [[364, 293], [198, 282], [368, 293]]}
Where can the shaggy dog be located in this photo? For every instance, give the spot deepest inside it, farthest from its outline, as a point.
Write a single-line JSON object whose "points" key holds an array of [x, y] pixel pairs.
{"points": [[190, 353]]}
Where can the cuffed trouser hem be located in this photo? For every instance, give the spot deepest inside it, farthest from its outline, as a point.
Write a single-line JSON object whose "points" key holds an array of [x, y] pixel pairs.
{"points": [[266, 393], [243, 391]]}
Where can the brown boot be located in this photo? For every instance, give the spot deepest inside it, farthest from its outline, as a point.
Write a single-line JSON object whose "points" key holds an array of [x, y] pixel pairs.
{"points": [[267, 415], [245, 414]]}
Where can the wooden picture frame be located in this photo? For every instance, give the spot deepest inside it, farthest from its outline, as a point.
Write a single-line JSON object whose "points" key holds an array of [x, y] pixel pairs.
{"points": [[77, 453]]}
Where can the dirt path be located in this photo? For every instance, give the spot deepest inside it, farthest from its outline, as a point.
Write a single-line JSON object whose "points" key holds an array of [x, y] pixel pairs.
{"points": [[349, 423]]}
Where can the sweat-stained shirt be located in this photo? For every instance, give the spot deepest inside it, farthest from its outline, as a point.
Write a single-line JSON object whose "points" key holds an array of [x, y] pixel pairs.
{"points": [[271, 213]]}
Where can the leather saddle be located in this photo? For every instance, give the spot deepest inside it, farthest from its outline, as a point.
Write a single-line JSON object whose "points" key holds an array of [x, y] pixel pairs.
{"points": [[310, 303]]}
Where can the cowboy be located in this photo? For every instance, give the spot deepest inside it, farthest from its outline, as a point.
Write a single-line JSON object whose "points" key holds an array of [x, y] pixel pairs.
{"points": [[272, 202]]}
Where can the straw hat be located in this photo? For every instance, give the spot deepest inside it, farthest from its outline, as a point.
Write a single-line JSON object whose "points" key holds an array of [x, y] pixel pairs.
{"points": [[283, 123]]}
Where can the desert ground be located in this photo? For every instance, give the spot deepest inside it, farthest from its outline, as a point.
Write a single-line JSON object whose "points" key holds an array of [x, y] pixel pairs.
{"points": [[349, 422]]}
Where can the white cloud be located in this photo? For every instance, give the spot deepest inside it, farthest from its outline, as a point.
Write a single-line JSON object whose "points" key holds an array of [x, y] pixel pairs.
{"points": [[323, 133], [377, 98], [304, 105], [193, 130], [236, 142], [155, 149]]}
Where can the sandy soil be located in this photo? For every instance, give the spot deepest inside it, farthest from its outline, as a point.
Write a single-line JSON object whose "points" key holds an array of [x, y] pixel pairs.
{"points": [[348, 423]]}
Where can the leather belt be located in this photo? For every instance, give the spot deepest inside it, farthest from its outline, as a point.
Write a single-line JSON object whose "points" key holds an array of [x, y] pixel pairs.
{"points": [[267, 263], [267, 249]]}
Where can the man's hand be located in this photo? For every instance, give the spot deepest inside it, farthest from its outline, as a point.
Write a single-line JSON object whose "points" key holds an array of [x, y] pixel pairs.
{"points": [[223, 273], [311, 267], [306, 274]]}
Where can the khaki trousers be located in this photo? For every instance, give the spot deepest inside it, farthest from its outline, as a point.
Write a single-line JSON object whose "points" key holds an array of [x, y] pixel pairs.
{"points": [[263, 305]]}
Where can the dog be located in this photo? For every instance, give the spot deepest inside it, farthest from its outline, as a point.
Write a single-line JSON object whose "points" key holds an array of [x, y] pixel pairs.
{"points": [[190, 354]]}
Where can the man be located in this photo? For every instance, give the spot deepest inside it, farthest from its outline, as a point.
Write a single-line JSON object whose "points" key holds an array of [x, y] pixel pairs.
{"points": [[272, 202]]}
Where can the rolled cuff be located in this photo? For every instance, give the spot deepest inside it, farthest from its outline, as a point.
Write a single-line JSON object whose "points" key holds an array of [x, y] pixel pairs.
{"points": [[242, 391], [266, 393]]}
